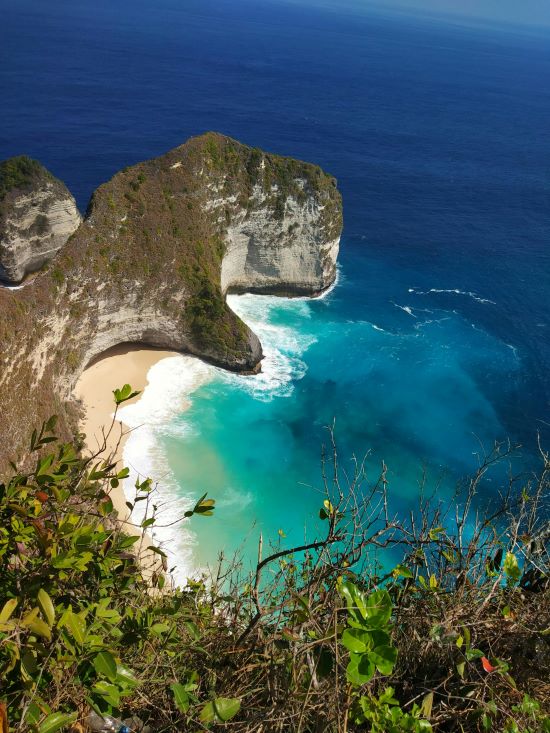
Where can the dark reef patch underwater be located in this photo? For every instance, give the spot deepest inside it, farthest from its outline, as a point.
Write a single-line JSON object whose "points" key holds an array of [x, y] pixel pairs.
{"points": [[436, 338]]}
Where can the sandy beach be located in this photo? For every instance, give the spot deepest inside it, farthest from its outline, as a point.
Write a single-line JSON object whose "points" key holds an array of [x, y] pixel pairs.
{"points": [[120, 365]]}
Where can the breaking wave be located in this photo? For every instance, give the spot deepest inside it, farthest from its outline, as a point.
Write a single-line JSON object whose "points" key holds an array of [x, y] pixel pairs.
{"points": [[452, 291]]}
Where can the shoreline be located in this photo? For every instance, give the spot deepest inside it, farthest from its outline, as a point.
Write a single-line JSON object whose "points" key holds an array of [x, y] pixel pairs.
{"points": [[159, 397], [122, 364]]}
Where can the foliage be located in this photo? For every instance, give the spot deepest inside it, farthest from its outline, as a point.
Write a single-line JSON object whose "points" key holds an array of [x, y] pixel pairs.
{"points": [[18, 172], [319, 638]]}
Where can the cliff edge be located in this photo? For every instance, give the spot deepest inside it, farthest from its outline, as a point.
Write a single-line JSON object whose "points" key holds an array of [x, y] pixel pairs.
{"points": [[160, 246], [37, 216]]}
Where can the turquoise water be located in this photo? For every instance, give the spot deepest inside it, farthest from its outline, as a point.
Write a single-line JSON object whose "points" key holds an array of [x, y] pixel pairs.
{"points": [[435, 341], [406, 391]]}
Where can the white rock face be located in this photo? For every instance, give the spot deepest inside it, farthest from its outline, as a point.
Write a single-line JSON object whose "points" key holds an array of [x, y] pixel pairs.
{"points": [[292, 254], [34, 226]]}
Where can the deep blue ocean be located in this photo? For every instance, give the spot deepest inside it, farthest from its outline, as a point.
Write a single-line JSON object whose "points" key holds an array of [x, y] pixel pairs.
{"points": [[435, 341]]}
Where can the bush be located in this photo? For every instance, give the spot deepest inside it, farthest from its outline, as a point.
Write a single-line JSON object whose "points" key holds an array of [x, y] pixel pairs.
{"points": [[319, 638], [18, 172]]}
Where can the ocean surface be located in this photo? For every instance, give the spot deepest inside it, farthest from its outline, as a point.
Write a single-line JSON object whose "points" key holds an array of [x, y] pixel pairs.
{"points": [[435, 340]]}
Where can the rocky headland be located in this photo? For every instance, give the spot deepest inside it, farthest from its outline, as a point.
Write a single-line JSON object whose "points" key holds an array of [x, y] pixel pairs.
{"points": [[161, 245], [37, 216]]}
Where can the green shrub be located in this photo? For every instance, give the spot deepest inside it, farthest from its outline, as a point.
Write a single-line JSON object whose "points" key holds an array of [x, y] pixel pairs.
{"points": [[319, 637], [18, 172]]}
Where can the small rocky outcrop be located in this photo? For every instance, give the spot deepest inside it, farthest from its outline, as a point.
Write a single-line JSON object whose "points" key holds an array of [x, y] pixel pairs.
{"points": [[37, 217], [161, 244]]}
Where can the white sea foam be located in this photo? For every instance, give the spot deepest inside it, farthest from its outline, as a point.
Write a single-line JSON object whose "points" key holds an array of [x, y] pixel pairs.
{"points": [[453, 291], [283, 345], [370, 324], [428, 321], [235, 498], [171, 383], [405, 308]]}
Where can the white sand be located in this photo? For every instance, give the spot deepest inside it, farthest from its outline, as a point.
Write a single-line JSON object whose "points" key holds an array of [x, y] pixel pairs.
{"points": [[118, 366]]}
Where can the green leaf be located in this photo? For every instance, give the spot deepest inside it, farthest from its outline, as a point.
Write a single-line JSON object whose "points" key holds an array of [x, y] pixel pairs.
{"points": [[384, 657], [7, 610], [50, 424], [105, 665], [378, 608], [77, 626], [473, 654], [125, 677], [357, 640], [204, 507], [40, 628], [427, 704], [159, 629], [355, 601], [64, 560], [125, 542], [46, 606], [193, 630], [511, 567], [181, 697], [108, 692], [106, 506], [29, 665], [30, 616], [327, 510], [220, 710], [460, 668], [208, 714], [226, 707], [401, 571], [56, 721], [33, 714], [123, 394], [387, 697], [435, 532], [360, 669]]}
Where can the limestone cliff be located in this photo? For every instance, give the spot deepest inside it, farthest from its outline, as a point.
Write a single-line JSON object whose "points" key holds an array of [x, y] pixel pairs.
{"points": [[160, 246], [37, 217]]}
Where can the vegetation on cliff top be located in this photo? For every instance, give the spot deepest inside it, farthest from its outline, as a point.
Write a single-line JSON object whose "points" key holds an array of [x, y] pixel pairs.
{"points": [[440, 622], [19, 173]]}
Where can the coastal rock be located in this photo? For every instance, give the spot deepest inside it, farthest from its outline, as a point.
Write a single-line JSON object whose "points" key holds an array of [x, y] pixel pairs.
{"points": [[37, 217], [161, 244], [286, 240]]}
